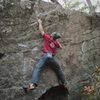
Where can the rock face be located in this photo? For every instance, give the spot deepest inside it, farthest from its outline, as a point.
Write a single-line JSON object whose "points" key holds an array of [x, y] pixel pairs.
{"points": [[20, 47]]}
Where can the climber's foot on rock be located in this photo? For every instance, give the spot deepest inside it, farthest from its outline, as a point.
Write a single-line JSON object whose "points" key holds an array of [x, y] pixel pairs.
{"points": [[28, 89]]}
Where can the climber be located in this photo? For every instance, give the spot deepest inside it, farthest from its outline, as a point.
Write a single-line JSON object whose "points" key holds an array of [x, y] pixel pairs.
{"points": [[49, 51]]}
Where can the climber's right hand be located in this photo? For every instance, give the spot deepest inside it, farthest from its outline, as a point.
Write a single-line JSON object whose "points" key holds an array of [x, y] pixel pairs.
{"points": [[39, 21]]}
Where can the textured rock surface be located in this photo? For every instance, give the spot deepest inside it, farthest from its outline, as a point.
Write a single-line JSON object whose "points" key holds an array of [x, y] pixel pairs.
{"points": [[18, 35]]}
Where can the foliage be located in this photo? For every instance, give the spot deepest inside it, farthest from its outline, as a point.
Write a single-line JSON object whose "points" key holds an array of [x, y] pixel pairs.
{"points": [[72, 5], [82, 6], [82, 9], [92, 92], [77, 5]]}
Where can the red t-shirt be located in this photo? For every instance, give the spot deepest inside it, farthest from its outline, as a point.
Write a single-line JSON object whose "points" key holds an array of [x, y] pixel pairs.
{"points": [[50, 45]]}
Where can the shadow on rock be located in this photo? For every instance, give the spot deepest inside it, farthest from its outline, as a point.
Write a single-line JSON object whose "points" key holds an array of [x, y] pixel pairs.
{"points": [[1, 55], [59, 92]]}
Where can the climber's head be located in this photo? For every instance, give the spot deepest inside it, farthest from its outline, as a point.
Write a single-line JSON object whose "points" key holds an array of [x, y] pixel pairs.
{"points": [[56, 35]]}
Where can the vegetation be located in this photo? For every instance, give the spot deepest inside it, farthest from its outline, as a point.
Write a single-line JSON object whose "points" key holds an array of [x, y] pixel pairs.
{"points": [[82, 6], [92, 92]]}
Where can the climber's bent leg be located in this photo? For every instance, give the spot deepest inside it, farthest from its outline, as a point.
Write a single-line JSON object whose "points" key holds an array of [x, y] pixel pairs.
{"points": [[39, 67], [56, 67]]}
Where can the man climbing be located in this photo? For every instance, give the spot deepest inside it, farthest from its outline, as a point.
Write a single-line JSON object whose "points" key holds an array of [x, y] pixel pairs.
{"points": [[49, 51]]}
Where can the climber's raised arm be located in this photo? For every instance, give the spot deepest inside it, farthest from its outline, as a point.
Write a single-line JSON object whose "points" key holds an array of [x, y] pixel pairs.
{"points": [[41, 27]]}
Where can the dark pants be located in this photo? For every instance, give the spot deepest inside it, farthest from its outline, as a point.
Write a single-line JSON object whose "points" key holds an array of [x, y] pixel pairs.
{"points": [[53, 64]]}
